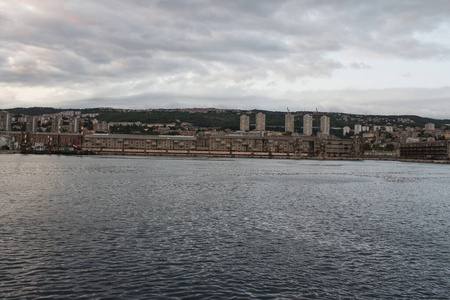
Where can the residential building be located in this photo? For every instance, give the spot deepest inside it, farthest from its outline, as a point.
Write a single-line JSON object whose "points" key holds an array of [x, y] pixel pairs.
{"points": [[307, 125], [358, 129], [57, 124], [31, 124], [346, 130], [260, 122], [5, 121], [245, 123], [325, 125], [74, 125], [102, 126], [289, 123], [429, 127]]}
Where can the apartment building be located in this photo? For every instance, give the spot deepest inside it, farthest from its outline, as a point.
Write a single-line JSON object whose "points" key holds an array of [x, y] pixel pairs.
{"points": [[307, 125], [289, 123], [260, 122], [244, 123]]}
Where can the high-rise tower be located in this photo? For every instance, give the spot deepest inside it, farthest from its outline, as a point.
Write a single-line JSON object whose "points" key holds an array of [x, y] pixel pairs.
{"points": [[245, 123], [289, 123], [260, 122], [325, 125], [5, 121], [307, 124], [31, 124]]}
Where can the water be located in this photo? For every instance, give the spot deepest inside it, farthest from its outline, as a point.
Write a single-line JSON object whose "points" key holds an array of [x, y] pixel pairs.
{"points": [[111, 227]]}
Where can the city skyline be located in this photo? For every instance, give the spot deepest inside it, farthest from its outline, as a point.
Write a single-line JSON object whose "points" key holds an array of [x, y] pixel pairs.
{"points": [[379, 58]]}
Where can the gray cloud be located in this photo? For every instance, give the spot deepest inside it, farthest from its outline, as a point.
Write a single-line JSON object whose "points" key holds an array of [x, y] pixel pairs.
{"points": [[359, 65], [147, 47]]}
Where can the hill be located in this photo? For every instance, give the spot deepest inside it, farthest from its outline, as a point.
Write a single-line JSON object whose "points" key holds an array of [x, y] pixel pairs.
{"points": [[222, 119]]}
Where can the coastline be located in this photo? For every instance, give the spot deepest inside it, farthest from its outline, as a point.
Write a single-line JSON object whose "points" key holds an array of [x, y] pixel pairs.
{"points": [[218, 154]]}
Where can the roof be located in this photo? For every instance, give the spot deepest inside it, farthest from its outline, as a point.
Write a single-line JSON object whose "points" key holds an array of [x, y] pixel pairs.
{"points": [[141, 137]]}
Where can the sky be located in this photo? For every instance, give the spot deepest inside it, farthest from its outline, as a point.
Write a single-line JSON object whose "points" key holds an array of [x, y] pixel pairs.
{"points": [[356, 56]]}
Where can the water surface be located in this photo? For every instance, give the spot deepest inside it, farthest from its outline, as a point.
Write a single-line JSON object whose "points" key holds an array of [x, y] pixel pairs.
{"points": [[112, 227]]}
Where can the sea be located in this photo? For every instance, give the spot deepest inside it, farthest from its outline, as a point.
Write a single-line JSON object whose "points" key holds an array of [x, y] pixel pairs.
{"points": [[99, 227]]}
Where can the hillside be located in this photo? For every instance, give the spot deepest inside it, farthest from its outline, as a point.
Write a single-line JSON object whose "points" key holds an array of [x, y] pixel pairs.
{"points": [[229, 119]]}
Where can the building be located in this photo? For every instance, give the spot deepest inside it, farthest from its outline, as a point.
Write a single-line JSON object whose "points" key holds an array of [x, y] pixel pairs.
{"points": [[102, 126], [334, 147], [358, 129], [252, 144], [325, 125], [346, 130], [307, 125], [74, 125], [5, 121], [439, 150], [245, 123], [57, 124], [135, 144], [126, 124], [31, 124], [429, 127], [260, 122], [289, 123]]}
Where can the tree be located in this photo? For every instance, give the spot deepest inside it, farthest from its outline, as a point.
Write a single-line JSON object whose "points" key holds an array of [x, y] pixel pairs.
{"points": [[367, 147], [389, 147]]}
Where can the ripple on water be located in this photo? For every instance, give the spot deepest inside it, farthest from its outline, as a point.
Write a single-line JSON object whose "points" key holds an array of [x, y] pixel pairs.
{"points": [[173, 228]]}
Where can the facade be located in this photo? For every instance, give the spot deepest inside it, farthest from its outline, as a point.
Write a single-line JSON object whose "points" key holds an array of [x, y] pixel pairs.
{"points": [[244, 123], [346, 130], [31, 124], [260, 122], [325, 125], [228, 145], [439, 150], [74, 125], [54, 141], [100, 126], [57, 124], [358, 129], [5, 121], [289, 123], [335, 147], [137, 143], [429, 127], [253, 144], [307, 125]]}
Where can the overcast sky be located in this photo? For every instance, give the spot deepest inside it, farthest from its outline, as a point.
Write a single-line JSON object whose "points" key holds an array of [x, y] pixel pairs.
{"points": [[367, 57]]}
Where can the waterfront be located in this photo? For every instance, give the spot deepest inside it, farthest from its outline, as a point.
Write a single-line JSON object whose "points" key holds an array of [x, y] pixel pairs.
{"points": [[159, 227]]}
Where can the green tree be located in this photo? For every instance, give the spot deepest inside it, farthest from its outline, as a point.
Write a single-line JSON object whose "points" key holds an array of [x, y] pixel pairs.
{"points": [[367, 147], [389, 147]]}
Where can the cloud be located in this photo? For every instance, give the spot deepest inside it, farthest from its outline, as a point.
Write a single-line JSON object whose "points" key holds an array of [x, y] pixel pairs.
{"points": [[359, 65], [112, 49]]}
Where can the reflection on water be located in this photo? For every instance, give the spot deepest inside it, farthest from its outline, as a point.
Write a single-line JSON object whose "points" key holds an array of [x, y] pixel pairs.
{"points": [[99, 227]]}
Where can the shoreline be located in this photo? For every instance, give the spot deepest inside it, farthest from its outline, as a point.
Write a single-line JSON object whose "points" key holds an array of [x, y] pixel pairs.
{"points": [[262, 155]]}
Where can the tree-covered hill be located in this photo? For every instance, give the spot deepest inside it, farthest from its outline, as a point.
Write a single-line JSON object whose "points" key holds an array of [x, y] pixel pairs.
{"points": [[229, 119]]}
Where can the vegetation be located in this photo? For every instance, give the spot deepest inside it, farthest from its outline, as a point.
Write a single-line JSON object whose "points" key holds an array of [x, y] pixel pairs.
{"points": [[229, 119], [367, 147]]}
